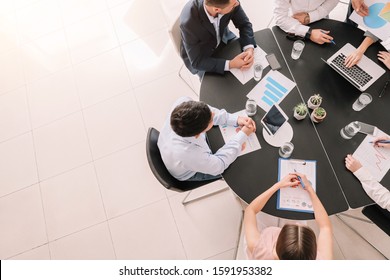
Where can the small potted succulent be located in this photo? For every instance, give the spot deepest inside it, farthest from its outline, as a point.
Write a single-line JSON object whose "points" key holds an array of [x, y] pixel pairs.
{"points": [[318, 114], [314, 101], [300, 111]]}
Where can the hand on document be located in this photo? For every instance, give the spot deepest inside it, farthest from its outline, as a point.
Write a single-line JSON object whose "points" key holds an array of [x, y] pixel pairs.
{"points": [[248, 126]]}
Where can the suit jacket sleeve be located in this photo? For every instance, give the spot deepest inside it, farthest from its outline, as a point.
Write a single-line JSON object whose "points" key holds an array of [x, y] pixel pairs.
{"points": [[199, 37]]}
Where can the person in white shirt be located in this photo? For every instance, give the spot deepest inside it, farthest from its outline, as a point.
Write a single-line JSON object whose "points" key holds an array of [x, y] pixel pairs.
{"points": [[183, 145], [293, 16], [372, 187]]}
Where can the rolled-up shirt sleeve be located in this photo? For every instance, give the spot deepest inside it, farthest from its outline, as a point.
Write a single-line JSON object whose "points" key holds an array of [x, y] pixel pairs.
{"points": [[323, 10], [286, 22], [373, 188]]}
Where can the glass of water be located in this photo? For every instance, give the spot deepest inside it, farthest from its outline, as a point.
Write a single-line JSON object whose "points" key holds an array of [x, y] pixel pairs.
{"points": [[363, 100], [257, 71], [286, 149], [251, 107], [350, 130], [297, 49]]}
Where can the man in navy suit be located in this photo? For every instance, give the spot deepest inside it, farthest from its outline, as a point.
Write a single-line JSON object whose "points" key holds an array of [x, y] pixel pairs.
{"points": [[204, 28]]}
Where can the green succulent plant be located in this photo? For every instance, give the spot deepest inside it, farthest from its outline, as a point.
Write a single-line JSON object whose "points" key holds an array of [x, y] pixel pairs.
{"points": [[319, 112], [316, 99], [301, 109]]}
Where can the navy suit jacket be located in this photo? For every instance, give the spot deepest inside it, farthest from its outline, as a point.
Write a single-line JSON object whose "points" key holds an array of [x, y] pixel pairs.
{"points": [[199, 39]]}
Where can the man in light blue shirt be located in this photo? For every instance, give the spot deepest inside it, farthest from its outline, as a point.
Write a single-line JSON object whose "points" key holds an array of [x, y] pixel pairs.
{"points": [[183, 146]]}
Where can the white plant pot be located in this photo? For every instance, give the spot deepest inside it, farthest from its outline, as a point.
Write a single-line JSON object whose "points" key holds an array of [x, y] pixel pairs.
{"points": [[299, 117], [311, 105]]}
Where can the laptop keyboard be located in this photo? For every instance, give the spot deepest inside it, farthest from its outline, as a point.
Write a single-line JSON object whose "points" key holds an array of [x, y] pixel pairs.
{"points": [[355, 73]]}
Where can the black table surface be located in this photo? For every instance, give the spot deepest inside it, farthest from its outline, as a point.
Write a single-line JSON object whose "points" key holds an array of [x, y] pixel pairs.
{"points": [[312, 75], [253, 173]]}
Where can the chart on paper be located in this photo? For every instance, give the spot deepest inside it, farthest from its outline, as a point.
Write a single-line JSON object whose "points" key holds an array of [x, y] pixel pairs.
{"points": [[250, 145], [375, 159], [272, 89]]}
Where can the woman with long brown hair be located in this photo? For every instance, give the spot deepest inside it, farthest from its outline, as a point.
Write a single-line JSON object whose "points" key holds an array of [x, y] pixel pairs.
{"points": [[293, 241]]}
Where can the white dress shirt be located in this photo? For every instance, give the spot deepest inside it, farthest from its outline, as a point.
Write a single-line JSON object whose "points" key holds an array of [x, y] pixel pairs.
{"points": [[317, 9], [373, 188], [215, 22], [185, 156]]}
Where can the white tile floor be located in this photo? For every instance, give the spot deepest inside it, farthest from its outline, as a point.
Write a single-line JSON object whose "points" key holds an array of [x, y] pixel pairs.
{"points": [[81, 81]]}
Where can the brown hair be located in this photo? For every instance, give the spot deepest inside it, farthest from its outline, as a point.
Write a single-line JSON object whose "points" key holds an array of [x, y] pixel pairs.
{"points": [[217, 3], [296, 243], [190, 118]]}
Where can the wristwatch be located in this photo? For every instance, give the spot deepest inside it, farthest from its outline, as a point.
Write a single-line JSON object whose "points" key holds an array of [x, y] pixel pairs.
{"points": [[308, 34]]}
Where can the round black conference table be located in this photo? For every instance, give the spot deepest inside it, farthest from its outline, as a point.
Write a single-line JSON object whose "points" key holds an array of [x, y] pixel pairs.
{"points": [[253, 173]]}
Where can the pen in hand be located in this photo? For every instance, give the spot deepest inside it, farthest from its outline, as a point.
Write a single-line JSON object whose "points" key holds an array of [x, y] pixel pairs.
{"points": [[300, 180], [333, 42], [381, 141]]}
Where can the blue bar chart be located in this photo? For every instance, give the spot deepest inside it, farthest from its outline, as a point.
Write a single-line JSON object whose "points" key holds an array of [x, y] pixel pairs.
{"points": [[272, 89]]}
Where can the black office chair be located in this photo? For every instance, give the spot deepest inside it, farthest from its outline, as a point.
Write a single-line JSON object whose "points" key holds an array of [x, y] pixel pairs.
{"points": [[162, 174], [379, 216]]}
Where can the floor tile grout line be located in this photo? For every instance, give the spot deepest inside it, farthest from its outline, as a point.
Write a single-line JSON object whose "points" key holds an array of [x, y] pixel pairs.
{"points": [[177, 228], [91, 151]]}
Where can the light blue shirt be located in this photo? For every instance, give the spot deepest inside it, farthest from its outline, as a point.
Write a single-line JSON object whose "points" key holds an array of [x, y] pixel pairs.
{"points": [[185, 156]]}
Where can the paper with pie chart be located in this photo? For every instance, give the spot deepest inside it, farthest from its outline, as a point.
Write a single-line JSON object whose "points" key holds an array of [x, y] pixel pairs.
{"points": [[228, 132], [296, 198], [378, 19]]}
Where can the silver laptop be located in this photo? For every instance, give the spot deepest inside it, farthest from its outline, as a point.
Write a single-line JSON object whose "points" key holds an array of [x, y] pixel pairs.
{"points": [[361, 75]]}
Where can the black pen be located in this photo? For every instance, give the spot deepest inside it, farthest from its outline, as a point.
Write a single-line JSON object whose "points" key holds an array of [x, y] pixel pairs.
{"points": [[384, 89]]}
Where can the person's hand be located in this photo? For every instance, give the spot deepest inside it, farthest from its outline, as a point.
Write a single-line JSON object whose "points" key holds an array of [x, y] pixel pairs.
{"points": [[360, 7], [246, 121], [320, 36], [353, 58], [305, 181], [240, 62], [352, 164], [385, 145], [249, 58], [248, 129], [385, 58], [303, 18], [288, 180]]}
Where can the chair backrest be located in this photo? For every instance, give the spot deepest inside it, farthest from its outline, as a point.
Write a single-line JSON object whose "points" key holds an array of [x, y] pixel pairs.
{"points": [[379, 216], [160, 171], [174, 33]]}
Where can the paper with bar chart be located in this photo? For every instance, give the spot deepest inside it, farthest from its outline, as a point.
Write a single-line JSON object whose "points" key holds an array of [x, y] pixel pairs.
{"points": [[228, 132], [272, 89], [375, 159], [378, 19]]}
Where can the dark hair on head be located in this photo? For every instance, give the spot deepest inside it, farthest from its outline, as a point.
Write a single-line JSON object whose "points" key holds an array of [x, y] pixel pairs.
{"points": [[217, 3], [190, 118], [296, 243]]}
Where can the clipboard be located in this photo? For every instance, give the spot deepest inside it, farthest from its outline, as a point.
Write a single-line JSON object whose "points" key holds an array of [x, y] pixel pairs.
{"points": [[296, 198]]}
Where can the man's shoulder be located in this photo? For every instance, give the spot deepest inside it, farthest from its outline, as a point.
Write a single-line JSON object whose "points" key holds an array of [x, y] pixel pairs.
{"points": [[190, 12]]}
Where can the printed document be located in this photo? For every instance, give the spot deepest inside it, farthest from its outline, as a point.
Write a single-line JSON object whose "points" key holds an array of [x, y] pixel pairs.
{"points": [[296, 198], [246, 75], [378, 19], [272, 89], [375, 159], [228, 132]]}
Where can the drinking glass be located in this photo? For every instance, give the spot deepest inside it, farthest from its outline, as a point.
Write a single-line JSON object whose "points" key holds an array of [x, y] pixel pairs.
{"points": [[363, 100], [251, 107], [350, 130], [297, 49], [257, 71], [286, 149]]}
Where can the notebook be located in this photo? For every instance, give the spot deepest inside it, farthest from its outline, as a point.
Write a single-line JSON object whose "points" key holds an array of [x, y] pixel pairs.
{"points": [[361, 75]]}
